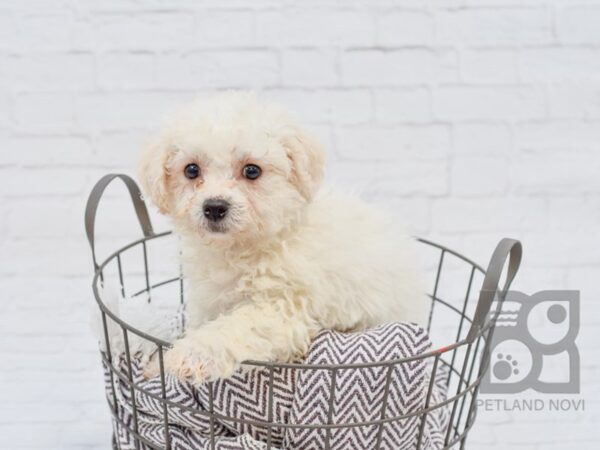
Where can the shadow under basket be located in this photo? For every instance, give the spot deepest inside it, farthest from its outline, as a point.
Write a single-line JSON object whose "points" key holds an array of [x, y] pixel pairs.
{"points": [[462, 295]]}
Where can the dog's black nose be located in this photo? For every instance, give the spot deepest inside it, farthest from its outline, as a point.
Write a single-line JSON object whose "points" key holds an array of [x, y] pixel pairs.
{"points": [[215, 209]]}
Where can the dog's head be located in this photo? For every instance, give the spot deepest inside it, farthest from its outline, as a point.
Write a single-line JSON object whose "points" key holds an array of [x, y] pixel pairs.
{"points": [[232, 167]]}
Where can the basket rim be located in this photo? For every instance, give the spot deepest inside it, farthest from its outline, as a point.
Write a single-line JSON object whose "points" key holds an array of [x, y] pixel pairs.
{"points": [[162, 344]]}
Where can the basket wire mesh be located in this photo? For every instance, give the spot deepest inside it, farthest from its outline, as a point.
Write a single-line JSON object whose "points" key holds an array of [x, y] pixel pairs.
{"points": [[467, 317]]}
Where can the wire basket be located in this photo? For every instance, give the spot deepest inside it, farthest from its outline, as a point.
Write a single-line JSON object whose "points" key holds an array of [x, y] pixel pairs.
{"points": [[459, 312]]}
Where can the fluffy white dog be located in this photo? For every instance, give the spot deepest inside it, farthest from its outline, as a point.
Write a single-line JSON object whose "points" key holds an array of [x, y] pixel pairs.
{"points": [[269, 262]]}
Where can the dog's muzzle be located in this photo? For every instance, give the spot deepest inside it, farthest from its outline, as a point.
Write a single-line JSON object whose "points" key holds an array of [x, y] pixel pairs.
{"points": [[215, 209]]}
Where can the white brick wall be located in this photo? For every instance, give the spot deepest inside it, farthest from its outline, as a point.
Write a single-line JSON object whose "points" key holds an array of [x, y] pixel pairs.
{"points": [[470, 119]]}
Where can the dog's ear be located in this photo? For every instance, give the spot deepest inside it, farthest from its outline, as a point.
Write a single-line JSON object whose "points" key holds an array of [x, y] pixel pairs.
{"points": [[153, 173], [308, 162]]}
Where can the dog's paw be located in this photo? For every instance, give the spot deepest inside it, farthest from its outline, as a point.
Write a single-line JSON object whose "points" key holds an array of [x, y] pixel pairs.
{"points": [[184, 362], [152, 368]]}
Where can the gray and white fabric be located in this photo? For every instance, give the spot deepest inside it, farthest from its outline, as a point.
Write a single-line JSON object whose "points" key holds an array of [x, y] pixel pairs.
{"points": [[300, 397]]}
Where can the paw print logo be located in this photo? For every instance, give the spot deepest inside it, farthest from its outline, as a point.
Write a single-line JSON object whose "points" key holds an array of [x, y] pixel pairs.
{"points": [[505, 367], [533, 331], [511, 362]]}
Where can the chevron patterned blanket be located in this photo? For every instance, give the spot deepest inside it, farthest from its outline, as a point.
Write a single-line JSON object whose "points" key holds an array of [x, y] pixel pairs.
{"points": [[301, 398]]}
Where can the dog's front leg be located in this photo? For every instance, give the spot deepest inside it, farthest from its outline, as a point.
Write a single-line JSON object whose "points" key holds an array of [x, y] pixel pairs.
{"points": [[253, 331]]}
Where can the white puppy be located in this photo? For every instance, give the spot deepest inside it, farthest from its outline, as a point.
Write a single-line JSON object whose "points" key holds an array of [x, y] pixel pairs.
{"points": [[268, 261]]}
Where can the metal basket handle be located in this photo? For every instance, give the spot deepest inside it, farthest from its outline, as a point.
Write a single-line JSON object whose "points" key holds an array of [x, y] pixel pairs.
{"points": [[506, 248], [92, 206]]}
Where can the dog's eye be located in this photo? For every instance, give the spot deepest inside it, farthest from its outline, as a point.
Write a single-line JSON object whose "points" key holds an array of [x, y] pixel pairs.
{"points": [[251, 171], [191, 171]]}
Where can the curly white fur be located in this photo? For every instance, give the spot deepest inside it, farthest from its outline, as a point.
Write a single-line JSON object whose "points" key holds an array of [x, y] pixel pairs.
{"points": [[286, 261]]}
